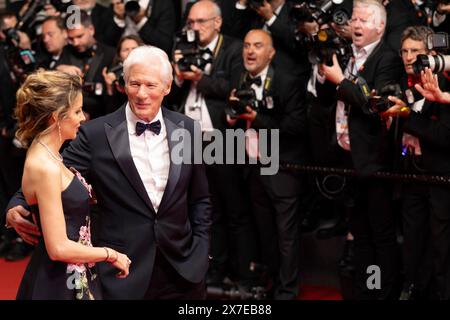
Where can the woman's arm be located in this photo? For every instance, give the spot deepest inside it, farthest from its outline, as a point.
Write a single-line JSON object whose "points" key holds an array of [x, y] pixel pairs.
{"points": [[48, 186]]}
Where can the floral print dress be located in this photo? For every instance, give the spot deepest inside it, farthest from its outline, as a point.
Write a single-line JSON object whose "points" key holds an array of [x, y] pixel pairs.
{"points": [[55, 280]]}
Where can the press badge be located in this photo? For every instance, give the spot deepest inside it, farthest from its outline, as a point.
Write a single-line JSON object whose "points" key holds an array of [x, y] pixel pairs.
{"points": [[269, 102], [98, 89]]}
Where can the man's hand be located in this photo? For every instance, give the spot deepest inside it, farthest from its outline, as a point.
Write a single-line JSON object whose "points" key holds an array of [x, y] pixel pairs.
{"points": [[265, 11], [344, 31], [27, 230], [195, 75], [430, 87], [443, 8], [250, 115], [399, 109], [70, 69], [333, 73]]}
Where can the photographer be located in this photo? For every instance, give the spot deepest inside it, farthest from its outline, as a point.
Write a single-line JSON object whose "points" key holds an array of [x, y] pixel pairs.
{"points": [[152, 20], [276, 198], [87, 57], [203, 82], [425, 145], [274, 16], [114, 75], [54, 38], [365, 143]]}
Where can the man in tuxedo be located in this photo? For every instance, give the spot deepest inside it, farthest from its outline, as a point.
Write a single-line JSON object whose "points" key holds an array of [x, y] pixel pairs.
{"points": [[274, 17], [155, 209], [87, 57], [425, 132], [54, 39], [275, 198], [365, 143], [203, 94]]}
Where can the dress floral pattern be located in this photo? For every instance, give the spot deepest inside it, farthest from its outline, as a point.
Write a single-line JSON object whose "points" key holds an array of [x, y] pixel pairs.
{"points": [[82, 271]]}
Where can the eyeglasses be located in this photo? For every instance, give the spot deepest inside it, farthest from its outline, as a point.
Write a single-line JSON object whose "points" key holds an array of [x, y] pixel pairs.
{"points": [[190, 22], [413, 51]]}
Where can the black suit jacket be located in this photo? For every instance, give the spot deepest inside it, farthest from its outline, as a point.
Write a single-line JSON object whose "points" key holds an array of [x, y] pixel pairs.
{"points": [[127, 221], [288, 115], [432, 127], [216, 87], [103, 57], [370, 141]]}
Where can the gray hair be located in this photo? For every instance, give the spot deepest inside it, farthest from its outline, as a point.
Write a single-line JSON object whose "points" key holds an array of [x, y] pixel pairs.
{"points": [[149, 56], [379, 11]]}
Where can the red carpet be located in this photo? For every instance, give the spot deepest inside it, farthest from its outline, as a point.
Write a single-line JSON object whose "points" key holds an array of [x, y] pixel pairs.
{"points": [[10, 276], [11, 273]]}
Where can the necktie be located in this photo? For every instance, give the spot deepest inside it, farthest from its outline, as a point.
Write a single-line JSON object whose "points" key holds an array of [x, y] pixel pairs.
{"points": [[256, 80], [154, 127]]}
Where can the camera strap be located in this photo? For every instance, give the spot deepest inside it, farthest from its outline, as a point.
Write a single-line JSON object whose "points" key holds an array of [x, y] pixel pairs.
{"points": [[216, 51], [148, 11]]}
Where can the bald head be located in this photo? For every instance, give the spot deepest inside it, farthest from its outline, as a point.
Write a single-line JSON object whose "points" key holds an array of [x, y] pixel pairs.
{"points": [[258, 51], [205, 17]]}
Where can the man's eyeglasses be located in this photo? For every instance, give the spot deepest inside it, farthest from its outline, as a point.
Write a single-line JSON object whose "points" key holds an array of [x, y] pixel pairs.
{"points": [[191, 22], [404, 52]]}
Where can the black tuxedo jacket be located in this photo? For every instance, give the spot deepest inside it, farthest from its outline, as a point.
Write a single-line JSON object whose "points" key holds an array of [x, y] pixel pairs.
{"points": [[287, 115], [370, 141], [216, 87], [432, 127], [127, 221]]}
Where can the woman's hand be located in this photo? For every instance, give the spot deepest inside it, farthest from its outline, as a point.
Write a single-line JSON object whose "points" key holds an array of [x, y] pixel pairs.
{"points": [[120, 261]]}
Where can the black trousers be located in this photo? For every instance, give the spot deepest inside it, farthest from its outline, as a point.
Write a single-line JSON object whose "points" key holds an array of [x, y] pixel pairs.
{"points": [[417, 260], [276, 203], [167, 284], [233, 234], [440, 238], [373, 226]]}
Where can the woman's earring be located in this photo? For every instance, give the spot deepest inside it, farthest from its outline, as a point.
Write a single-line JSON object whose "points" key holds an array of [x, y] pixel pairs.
{"points": [[59, 132]]}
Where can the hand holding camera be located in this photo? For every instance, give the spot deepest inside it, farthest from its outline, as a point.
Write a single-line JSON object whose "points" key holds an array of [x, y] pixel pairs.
{"points": [[334, 72]]}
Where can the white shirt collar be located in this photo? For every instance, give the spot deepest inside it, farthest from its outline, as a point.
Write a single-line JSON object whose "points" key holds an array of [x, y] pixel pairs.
{"points": [[367, 49], [212, 45], [132, 119], [262, 74]]}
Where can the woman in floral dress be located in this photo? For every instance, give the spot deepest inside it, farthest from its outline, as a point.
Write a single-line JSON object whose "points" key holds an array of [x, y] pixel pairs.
{"points": [[49, 111]]}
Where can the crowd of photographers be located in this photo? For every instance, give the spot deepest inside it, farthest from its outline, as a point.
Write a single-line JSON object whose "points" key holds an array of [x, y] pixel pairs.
{"points": [[359, 87]]}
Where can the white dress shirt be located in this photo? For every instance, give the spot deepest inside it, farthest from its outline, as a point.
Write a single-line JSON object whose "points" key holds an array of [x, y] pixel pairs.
{"points": [[195, 106], [355, 64], [150, 153]]}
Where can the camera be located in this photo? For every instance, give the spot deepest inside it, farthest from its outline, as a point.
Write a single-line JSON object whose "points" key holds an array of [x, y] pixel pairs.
{"points": [[380, 103], [187, 42], [246, 96], [118, 72], [324, 44], [437, 63], [21, 61], [60, 5], [322, 12]]}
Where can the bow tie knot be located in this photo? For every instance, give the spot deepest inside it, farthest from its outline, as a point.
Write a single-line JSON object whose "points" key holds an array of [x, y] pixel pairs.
{"points": [[154, 127], [256, 80]]}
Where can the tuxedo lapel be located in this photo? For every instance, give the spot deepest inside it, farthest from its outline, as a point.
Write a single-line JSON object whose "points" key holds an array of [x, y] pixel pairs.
{"points": [[174, 169], [117, 136]]}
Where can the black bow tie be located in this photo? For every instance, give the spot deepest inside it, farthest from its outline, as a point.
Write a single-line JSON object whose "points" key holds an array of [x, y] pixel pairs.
{"points": [[256, 80], [206, 51], [154, 127]]}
